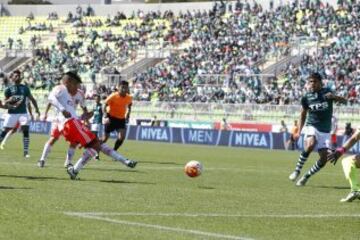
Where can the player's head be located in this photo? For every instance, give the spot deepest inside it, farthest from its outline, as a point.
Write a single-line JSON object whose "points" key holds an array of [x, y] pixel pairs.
{"points": [[123, 88], [72, 82], [315, 82], [97, 98], [16, 76]]}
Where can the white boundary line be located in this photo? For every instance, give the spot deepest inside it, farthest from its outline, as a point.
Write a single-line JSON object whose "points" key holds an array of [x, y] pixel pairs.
{"points": [[158, 227], [215, 215]]}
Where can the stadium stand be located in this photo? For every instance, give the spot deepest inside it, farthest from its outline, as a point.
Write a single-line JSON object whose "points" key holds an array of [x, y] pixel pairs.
{"points": [[233, 43]]}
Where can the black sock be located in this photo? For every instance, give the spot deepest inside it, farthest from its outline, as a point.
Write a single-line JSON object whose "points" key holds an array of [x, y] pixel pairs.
{"points": [[118, 143]]}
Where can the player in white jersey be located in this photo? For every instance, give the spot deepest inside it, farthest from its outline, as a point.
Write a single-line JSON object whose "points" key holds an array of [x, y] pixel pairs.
{"points": [[74, 131], [79, 99]]}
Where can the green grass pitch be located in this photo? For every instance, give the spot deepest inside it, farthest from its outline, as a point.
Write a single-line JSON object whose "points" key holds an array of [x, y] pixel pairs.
{"points": [[242, 194]]}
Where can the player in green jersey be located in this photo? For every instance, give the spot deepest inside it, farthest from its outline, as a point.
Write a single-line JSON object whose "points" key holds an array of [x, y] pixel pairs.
{"points": [[16, 96], [315, 123]]}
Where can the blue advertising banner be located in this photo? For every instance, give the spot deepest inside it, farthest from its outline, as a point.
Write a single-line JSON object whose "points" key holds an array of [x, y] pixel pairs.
{"points": [[160, 134], [264, 140]]}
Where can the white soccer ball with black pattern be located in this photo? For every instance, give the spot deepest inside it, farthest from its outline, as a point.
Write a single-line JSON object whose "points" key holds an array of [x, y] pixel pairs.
{"points": [[193, 168]]}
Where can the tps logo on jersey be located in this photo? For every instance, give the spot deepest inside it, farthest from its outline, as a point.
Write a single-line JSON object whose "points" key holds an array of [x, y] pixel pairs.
{"points": [[318, 106]]}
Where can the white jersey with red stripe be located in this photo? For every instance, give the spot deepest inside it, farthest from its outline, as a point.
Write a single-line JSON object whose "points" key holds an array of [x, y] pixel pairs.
{"points": [[61, 99]]}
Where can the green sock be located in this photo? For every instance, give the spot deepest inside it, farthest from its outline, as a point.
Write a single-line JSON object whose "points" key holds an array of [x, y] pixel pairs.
{"points": [[351, 173]]}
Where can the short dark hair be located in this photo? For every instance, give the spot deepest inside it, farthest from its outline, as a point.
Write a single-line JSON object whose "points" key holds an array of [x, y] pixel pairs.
{"points": [[74, 76], [316, 76], [123, 83], [17, 71]]}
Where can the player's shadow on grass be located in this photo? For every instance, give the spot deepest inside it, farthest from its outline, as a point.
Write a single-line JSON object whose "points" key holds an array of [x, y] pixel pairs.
{"points": [[333, 187], [126, 182], [12, 188], [111, 169], [34, 177], [67, 179], [164, 163]]}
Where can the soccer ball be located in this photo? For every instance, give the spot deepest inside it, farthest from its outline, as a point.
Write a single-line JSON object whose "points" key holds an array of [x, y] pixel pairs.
{"points": [[193, 168]]}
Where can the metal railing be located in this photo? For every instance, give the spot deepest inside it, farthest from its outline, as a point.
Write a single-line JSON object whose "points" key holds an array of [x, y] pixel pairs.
{"points": [[233, 112]]}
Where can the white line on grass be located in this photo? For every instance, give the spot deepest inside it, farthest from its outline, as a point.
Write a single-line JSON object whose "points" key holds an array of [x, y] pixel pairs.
{"points": [[216, 215], [159, 227]]}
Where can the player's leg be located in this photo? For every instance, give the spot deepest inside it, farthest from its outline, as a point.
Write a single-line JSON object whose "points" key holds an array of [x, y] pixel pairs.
{"points": [[70, 154], [7, 136], [120, 138], [95, 130], [75, 132], [47, 149], [319, 164], [108, 129], [26, 139], [351, 165], [323, 145], [117, 156], [10, 122], [54, 136], [310, 143], [24, 120]]}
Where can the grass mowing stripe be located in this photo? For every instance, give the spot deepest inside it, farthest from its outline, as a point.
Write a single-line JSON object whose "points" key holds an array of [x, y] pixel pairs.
{"points": [[159, 227], [162, 168]]}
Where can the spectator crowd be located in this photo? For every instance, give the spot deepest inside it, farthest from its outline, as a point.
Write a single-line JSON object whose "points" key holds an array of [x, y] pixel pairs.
{"points": [[231, 43]]}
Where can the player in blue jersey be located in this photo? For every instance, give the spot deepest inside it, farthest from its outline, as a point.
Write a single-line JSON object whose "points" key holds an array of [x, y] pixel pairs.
{"points": [[315, 123], [16, 96]]}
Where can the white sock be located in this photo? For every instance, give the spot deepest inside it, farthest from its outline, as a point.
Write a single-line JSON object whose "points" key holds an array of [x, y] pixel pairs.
{"points": [[46, 151], [87, 155], [69, 155], [114, 154], [8, 134]]}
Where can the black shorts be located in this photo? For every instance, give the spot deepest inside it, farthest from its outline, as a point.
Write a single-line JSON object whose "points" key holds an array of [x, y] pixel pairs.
{"points": [[115, 124]]}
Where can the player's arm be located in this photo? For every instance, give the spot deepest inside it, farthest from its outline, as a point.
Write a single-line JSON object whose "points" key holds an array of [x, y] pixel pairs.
{"points": [[58, 105], [303, 115], [48, 106], [334, 156], [29, 108], [335, 98], [128, 112], [105, 113], [87, 115], [34, 102], [5, 105]]}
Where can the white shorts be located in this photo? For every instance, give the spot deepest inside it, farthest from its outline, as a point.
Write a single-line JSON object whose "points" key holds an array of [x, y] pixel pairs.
{"points": [[97, 127], [11, 119], [322, 139]]}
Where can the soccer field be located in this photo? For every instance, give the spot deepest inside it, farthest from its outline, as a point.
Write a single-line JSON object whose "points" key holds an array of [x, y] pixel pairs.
{"points": [[242, 194]]}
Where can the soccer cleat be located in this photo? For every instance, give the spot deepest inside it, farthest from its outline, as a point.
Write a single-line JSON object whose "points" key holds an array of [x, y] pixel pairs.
{"points": [[67, 164], [70, 170], [351, 196], [26, 155], [131, 164], [97, 157], [41, 163], [2, 147], [294, 175], [302, 181]]}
